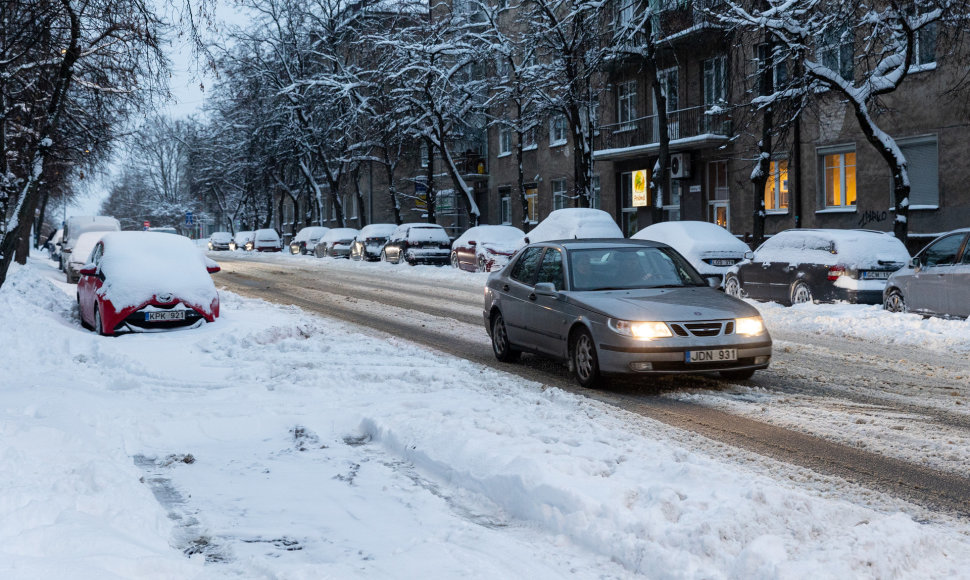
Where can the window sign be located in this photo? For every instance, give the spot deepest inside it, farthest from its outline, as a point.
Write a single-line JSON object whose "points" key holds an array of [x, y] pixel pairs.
{"points": [[640, 188]]}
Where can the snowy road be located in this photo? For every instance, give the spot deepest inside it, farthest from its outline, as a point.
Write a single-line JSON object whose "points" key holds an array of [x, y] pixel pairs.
{"points": [[883, 415]]}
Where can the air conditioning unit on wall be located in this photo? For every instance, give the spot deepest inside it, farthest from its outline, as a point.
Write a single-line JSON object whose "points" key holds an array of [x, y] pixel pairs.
{"points": [[680, 165]]}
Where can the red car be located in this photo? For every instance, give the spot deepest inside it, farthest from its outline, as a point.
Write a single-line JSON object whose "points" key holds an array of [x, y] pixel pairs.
{"points": [[486, 248], [146, 282]]}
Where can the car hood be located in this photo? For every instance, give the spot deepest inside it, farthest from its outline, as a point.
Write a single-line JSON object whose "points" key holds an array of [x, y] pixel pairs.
{"points": [[670, 304]]}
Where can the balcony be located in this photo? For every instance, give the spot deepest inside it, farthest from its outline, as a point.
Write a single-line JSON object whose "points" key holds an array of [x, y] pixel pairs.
{"points": [[679, 20], [692, 128]]}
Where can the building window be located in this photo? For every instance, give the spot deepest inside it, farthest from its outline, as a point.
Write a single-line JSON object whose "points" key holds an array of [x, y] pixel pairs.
{"points": [[626, 104], [672, 202], [923, 163], [529, 138], [425, 158], [504, 140], [837, 51], [924, 46], [557, 130], [669, 86], [532, 203], [350, 206], [628, 213], [625, 10], [505, 196], [559, 198], [594, 196], [776, 187], [838, 169], [715, 81], [719, 192]]}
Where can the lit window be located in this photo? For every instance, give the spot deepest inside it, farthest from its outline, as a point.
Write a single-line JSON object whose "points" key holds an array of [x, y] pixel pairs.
{"points": [[839, 170], [776, 187], [532, 201]]}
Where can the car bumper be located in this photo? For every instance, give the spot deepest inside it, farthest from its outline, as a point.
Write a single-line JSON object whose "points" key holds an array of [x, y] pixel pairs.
{"points": [[422, 256], [615, 360], [219, 247]]}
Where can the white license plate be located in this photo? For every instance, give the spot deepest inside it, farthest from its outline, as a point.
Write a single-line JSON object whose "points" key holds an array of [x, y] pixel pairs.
{"points": [[876, 275], [165, 315], [724, 262], [716, 355]]}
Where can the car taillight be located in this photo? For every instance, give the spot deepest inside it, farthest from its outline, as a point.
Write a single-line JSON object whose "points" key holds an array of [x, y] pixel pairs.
{"points": [[835, 272]]}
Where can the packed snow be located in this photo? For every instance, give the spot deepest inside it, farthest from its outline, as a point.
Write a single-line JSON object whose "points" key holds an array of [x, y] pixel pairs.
{"points": [[830, 247], [575, 222], [276, 444]]}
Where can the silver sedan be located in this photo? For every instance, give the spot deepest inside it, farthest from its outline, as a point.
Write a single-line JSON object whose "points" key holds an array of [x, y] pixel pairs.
{"points": [[613, 307]]}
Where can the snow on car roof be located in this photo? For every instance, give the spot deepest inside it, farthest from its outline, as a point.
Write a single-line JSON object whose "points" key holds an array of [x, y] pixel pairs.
{"points": [[427, 233], [337, 234], [491, 234], [310, 232], [84, 244], [139, 265], [693, 239], [575, 222], [267, 234], [220, 236], [377, 230], [830, 246]]}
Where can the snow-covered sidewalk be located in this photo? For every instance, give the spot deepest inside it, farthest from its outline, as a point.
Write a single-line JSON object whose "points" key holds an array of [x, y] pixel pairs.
{"points": [[274, 444]]}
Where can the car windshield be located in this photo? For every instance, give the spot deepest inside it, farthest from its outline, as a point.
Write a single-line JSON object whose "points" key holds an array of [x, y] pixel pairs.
{"points": [[628, 268]]}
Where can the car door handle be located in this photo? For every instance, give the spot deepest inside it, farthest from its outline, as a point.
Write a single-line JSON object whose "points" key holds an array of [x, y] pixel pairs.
{"points": [[532, 296], [505, 288]]}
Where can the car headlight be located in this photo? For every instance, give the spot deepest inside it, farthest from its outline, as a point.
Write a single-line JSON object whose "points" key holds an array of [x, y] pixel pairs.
{"points": [[749, 326], [640, 330]]}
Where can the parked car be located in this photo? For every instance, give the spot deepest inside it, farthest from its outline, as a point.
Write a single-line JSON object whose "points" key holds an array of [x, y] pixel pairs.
{"points": [[77, 225], [220, 241], [486, 248], [335, 243], [78, 257], [306, 239], [620, 307], [368, 242], [266, 240], [164, 230], [709, 248], [417, 243], [53, 244], [936, 281], [146, 281], [823, 265], [242, 241], [574, 222]]}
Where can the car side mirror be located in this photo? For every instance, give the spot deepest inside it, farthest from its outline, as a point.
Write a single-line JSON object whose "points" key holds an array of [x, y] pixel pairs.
{"points": [[89, 270], [914, 263], [546, 289], [749, 255]]}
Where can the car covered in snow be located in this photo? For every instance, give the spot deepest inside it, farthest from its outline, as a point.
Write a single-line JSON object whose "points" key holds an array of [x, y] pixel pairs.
{"points": [[575, 223], [266, 240], [242, 240], [219, 241], [620, 307], [335, 243], [818, 265], [306, 239], [709, 248], [77, 258], [146, 281], [77, 225], [369, 241], [417, 243], [486, 248], [936, 281]]}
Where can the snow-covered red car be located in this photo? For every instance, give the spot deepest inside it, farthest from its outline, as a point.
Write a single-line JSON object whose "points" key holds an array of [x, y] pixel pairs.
{"points": [[145, 282], [486, 248]]}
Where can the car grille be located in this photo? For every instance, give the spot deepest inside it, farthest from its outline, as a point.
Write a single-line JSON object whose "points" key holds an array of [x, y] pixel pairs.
{"points": [[712, 328]]}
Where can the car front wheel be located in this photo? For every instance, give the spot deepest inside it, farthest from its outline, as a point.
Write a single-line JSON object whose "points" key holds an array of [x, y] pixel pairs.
{"points": [[800, 293], [500, 341], [583, 360], [732, 286], [454, 260], [482, 264], [895, 302], [98, 323]]}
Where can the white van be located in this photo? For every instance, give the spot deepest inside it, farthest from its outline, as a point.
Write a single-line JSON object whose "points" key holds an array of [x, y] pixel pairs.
{"points": [[77, 225]]}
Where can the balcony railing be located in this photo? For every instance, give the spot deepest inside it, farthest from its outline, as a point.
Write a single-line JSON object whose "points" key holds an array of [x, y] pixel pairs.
{"points": [[682, 124]]}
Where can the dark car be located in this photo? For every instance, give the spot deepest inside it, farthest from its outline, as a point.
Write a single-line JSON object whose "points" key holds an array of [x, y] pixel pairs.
{"points": [[936, 281], [613, 306], [417, 243], [824, 265], [368, 242], [306, 239], [220, 241]]}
